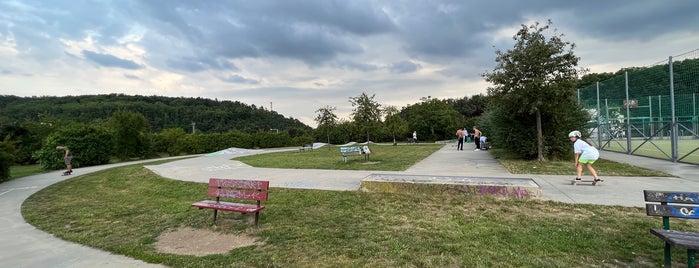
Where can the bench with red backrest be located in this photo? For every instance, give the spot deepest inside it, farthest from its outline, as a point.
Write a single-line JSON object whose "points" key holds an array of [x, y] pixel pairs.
{"points": [[235, 190]]}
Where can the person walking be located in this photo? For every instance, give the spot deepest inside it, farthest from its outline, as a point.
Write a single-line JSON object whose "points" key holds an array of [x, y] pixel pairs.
{"points": [[67, 159], [460, 136], [585, 154], [477, 138], [414, 136]]}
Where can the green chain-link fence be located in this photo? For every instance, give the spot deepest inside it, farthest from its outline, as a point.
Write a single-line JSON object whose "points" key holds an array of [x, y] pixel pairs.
{"points": [[650, 111]]}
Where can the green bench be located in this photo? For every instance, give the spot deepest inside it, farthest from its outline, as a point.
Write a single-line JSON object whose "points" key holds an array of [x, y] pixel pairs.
{"points": [[667, 204]]}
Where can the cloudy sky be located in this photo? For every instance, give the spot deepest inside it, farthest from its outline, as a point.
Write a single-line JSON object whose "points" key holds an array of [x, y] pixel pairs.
{"points": [[298, 56]]}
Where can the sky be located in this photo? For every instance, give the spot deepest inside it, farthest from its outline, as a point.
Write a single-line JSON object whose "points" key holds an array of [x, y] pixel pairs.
{"points": [[297, 56]]}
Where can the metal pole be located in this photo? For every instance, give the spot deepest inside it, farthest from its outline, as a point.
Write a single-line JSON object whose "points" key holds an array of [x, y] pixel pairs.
{"points": [[673, 129], [628, 115], [599, 125], [650, 114], [606, 123]]}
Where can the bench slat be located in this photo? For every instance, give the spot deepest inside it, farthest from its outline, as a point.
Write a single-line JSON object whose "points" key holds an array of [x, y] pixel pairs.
{"points": [[688, 240], [240, 184], [228, 206], [238, 194], [671, 197]]}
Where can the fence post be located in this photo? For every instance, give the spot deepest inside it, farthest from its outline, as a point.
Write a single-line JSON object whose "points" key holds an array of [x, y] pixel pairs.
{"points": [[628, 114], [673, 129], [599, 124]]}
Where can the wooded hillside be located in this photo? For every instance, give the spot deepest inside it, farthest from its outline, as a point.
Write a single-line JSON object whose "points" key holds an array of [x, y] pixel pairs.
{"points": [[161, 112]]}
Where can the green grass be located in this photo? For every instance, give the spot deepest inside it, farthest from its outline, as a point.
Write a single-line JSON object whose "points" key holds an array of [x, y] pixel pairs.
{"points": [[383, 157], [662, 151], [18, 171], [603, 167], [125, 209]]}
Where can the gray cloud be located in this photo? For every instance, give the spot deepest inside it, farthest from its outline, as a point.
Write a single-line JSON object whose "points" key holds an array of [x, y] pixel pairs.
{"points": [[404, 67], [240, 80], [110, 61], [339, 47]]}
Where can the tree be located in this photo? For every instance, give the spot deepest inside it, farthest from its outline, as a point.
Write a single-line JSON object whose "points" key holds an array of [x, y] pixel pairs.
{"points": [[326, 118], [6, 158], [366, 113], [434, 116], [394, 123], [537, 77], [130, 133]]}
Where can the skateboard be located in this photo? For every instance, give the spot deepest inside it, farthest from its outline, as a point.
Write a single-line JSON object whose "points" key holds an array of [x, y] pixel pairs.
{"points": [[594, 183], [67, 173]]}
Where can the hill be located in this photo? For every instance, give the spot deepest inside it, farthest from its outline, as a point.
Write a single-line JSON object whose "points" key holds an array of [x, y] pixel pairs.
{"points": [[162, 112]]}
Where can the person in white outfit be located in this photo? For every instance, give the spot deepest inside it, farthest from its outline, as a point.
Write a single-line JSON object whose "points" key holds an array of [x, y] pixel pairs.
{"points": [[585, 154]]}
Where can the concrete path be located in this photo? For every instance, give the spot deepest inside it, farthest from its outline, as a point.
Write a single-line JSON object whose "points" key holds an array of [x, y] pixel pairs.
{"points": [[22, 245]]}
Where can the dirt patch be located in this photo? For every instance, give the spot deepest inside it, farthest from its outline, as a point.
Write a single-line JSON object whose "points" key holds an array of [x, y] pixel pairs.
{"points": [[190, 241]]}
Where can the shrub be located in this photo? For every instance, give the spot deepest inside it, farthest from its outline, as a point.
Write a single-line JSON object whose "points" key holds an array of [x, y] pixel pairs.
{"points": [[90, 145]]}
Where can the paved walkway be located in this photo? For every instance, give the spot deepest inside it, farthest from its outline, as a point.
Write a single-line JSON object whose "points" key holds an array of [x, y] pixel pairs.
{"points": [[22, 245]]}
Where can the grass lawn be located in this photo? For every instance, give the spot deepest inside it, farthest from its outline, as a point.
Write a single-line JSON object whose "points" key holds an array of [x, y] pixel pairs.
{"points": [[18, 171], [125, 209], [658, 148], [383, 157]]}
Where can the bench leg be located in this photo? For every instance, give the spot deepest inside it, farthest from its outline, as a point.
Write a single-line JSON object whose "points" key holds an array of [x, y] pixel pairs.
{"points": [[215, 212], [257, 218], [344, 159], [691, 262]]}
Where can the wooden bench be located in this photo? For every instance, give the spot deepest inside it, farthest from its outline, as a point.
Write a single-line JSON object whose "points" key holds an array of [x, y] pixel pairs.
{"points": [[306, 147], [355, 151], [235, 189], [668, 205]]}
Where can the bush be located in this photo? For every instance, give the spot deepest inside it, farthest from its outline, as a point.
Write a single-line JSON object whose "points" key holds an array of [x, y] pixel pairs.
{"points": [[6, 159], [90, 145]]}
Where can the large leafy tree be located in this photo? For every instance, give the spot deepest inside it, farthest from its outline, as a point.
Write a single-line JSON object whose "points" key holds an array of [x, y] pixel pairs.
{"points": [[326, 119], [394, 123], [366, 113], [433, 116], [535, 82], [131, 130]]}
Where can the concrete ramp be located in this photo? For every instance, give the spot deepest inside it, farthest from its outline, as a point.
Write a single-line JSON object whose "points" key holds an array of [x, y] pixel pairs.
{"points": [[516, 188]]}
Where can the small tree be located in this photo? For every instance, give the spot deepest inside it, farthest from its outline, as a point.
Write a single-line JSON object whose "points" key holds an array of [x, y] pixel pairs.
{"points": [[327, 119], [394, 123], [130, 134], [536, 78], [6, 158], [366, 113]]}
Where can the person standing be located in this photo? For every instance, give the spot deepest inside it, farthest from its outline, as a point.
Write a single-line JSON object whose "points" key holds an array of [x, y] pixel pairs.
{"points": [[460, 136], [477, 138], [585, 154], [415, 136], [67, 159]]}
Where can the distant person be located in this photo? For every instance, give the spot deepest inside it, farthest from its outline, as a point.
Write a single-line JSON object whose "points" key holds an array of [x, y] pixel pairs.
{"points": [[466, 137], [585, 154], [415, 136], [477, 138], [483, 142], [460, 137], [67, 159]]}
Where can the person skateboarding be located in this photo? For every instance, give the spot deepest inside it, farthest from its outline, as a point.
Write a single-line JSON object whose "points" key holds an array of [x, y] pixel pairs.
{"points": [[67, 159], [585, 154]]}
